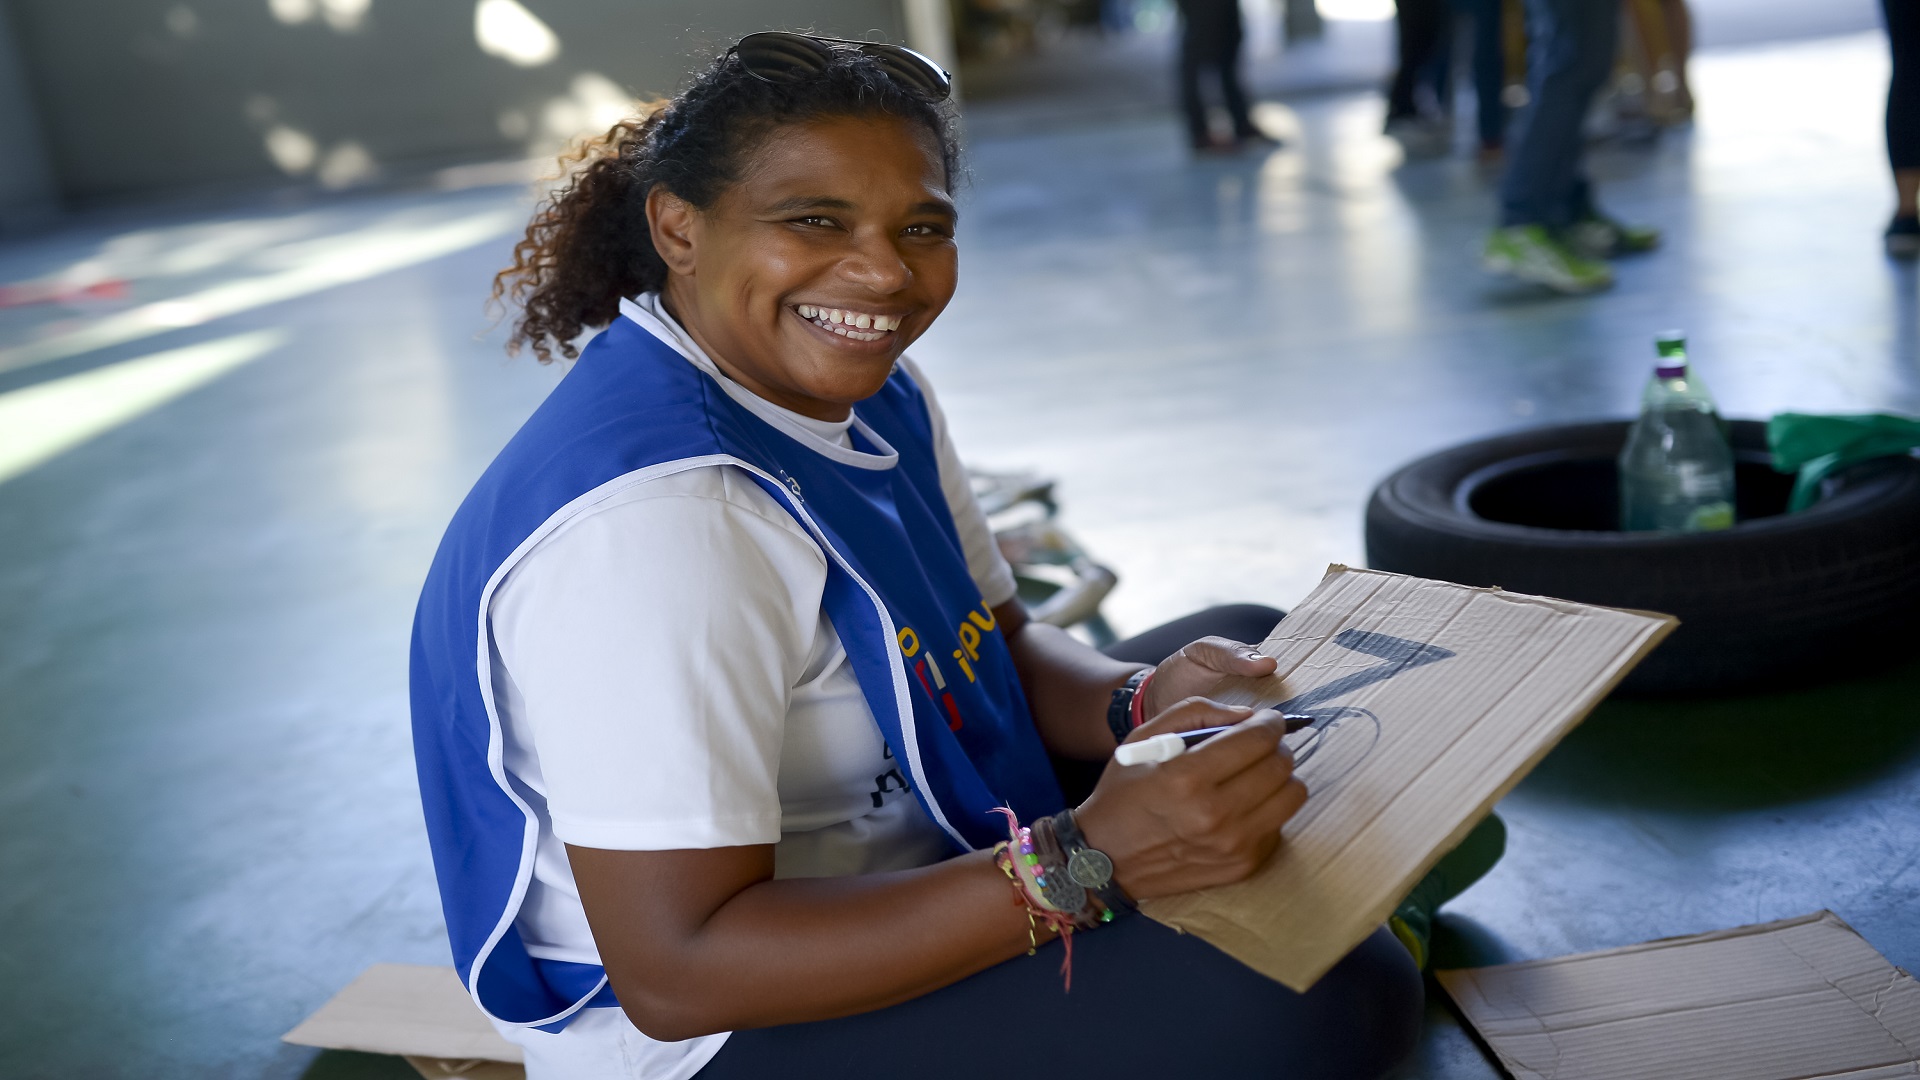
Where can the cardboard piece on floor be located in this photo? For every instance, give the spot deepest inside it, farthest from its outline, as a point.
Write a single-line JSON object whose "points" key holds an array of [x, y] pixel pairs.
{"points": [[421, 1013], [1798, 999], [1433, 700]]}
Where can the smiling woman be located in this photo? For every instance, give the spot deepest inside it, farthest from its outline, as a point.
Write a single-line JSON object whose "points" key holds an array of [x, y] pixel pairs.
{"points": [[736, 748]]}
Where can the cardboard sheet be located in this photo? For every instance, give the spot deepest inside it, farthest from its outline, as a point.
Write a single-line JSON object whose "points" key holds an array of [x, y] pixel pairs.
{"points": [[421, 1013], [1431, 701], [1799, 999]]}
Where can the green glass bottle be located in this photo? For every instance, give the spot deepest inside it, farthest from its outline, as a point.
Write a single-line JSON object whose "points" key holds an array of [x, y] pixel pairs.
{"points": [[1676, 472]]}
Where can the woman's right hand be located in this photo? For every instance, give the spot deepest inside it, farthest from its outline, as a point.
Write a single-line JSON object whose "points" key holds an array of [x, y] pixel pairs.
{"points": [[1211, 816]]}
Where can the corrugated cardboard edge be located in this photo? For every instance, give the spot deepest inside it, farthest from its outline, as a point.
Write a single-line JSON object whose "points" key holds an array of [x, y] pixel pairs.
{"points": [[1223, 933], [1823, 915], [1463, 984], [412, 1010]]}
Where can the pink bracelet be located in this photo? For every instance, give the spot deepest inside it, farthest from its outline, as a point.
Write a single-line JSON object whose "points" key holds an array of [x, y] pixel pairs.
{"points": [[1022, 861]]}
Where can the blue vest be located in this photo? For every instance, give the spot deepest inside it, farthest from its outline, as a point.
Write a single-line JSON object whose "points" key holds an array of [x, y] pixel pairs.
{"points": [[921, 640]]}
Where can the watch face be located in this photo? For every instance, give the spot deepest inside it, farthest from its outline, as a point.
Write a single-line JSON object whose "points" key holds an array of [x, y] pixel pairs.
{"points": [[1090, 868]]}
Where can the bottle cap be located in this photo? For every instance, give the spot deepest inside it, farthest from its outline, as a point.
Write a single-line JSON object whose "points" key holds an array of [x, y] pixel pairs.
{"points": [[1671, 345]]}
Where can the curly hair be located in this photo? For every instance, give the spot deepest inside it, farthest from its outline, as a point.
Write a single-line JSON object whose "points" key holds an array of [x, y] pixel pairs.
{"points": [[588, 245]]}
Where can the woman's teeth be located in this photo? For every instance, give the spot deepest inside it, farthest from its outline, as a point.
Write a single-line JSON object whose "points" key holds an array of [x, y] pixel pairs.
{"points": [[857, 325]]}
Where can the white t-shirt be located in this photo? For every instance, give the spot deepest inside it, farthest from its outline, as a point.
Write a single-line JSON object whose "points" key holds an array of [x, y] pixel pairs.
{"points": [[666, 679]]}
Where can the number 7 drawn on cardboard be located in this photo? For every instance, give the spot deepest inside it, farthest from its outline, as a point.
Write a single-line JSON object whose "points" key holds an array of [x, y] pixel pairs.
{"points": [[1350, 731]]}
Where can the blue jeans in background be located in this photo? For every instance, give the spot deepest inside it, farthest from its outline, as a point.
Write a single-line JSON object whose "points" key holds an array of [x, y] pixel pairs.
{"points": [[1570, 59], [1489, 67]]}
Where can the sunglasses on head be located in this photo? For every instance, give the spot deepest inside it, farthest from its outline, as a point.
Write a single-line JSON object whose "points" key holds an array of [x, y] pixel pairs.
{"points": [[778, 57]]}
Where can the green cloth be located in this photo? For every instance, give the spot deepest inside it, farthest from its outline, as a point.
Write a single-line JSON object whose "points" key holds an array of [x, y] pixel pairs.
{"points": [[1817, 446]]}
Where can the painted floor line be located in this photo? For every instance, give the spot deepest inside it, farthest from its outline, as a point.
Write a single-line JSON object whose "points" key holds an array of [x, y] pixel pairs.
{"points": [[42, 421], [381, 251]]}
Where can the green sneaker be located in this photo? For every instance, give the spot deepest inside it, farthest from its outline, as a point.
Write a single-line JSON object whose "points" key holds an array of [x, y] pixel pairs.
{"points": [[1601, 237], [1531, 253], [1412, 921]]}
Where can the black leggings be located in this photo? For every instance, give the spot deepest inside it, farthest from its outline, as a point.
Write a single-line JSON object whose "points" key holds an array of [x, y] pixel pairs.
{"points": [[1210, 36], [1147, 1002], [1903, 91], [1423, 29]]}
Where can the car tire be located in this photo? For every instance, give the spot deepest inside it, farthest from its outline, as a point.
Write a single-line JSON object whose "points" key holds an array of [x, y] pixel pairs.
{"points": [[1779, 598]]}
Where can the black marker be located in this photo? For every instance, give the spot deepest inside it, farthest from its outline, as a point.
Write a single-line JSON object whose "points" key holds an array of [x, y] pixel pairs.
{"points": [[1172, 744]]}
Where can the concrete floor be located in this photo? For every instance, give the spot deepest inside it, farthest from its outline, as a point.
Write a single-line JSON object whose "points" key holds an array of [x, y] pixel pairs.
{"points": [[204, 761]]}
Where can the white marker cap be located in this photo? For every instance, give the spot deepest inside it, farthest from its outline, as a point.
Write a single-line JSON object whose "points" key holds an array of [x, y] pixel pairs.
{"points": [[1163, 747]]}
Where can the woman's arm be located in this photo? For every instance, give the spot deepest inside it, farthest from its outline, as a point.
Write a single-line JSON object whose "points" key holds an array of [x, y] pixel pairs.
{"points": [[699, 941], [705, 940], [1070, 683]]}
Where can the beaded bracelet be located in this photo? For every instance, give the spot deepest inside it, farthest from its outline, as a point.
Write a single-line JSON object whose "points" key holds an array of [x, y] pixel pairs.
{"points": [[1025, 883], [1005, 862]]}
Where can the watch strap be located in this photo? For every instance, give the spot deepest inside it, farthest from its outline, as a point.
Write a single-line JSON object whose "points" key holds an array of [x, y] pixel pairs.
{"points": [[1060, 889], [1088, 866], [1120, 710]]}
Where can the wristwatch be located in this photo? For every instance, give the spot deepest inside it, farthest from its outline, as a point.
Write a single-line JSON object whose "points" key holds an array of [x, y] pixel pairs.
{"points": [[1089, 867], [1120, 706]]}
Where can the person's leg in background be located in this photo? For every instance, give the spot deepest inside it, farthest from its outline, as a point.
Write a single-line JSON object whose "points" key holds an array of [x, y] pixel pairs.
{"points": [[1680, 38], [1571, 59], [1191, 103], [1209, 39], [1420, 30], [1903, 125], [1489, 75], [1232, 91]]}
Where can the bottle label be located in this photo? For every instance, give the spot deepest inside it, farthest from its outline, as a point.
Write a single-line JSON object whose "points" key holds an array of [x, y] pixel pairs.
{"points": [[1699, 482], [1710, 518]]}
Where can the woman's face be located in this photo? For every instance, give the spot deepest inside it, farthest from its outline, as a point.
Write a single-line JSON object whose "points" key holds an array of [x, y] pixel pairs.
{"points": [[807, 279]]}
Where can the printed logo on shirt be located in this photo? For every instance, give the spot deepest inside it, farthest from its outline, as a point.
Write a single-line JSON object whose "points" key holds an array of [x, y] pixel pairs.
{"points": [[927, 668], [888, 781]]}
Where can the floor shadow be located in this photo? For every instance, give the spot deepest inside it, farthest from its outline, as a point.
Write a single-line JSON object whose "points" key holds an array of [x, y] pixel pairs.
{"points": [[1739, 753], [1460, 942]]}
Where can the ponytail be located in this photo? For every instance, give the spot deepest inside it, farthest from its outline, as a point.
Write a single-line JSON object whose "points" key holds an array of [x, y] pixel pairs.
{"points": [[586, 247]]}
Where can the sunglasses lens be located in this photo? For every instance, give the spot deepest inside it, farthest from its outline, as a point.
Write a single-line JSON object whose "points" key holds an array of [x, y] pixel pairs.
{"points": [[778, 57], [910, 69], [782, 58]]}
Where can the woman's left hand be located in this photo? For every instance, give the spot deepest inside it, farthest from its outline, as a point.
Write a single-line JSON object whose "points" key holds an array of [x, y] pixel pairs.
{"points": [[1198, 669]]}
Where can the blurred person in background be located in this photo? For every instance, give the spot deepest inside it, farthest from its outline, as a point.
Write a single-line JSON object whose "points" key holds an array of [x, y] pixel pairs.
{"points": [[1420, 97], [1551, 230], [1488, 35], [721, 688], [1417, 104], [1419, 116], [1903, 125], [1661, 47], [1211, 33]]}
